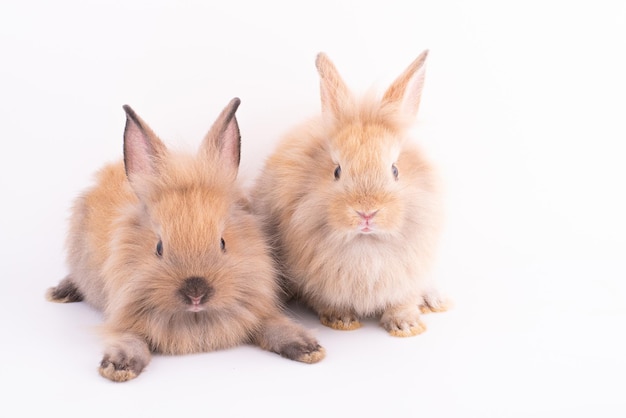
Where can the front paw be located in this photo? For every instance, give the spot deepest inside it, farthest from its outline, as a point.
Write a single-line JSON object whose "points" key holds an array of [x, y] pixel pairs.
{"points": [[402, 322], [342, 322], [305, 352], [281, 335], [120, 367], [125, 357]]}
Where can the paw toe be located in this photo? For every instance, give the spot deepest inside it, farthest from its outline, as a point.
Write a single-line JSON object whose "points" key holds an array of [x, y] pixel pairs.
{"points": [[433, 304], [116, 374], [120, 369], [305, 353], [347, 323], [65, 292], [406, 330], [314, 355]]}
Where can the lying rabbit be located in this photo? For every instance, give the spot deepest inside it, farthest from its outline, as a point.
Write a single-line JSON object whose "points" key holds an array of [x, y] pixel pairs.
{"points": [[165, 246]]}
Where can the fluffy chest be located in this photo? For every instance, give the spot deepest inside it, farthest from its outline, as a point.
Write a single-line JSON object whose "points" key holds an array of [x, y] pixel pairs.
{"points": [[365, 276]]}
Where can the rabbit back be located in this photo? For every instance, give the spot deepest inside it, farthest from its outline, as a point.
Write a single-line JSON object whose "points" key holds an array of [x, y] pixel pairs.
{"points": [[93, 219]]}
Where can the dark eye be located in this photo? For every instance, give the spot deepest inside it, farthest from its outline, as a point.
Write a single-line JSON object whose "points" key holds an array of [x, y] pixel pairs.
{"points": [[223, 244], [159, 248], [337, 172], [394, 171]]}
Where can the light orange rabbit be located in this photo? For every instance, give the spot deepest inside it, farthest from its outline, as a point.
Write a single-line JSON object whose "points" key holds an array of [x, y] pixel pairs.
{"points": [[353, 207], [163, 244]]}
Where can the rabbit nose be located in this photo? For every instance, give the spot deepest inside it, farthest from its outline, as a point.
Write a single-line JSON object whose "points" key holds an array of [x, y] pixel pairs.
{"points": [[367, 215], [196, 291]]}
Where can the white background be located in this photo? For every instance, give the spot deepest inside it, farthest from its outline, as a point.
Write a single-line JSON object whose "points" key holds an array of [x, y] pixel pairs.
{"points": [[523, 110]]}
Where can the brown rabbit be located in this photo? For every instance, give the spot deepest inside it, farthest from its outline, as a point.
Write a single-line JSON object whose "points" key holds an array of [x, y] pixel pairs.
{"points": [[165, 247], [354, 209]]}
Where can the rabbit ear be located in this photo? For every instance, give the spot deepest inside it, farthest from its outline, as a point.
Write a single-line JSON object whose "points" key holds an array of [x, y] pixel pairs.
{"points": [[142, 148], [333, 90], [224, 136], [406, 90]]}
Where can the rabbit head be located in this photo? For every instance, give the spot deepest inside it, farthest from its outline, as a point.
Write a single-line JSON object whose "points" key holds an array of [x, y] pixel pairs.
{"points": [[369, 175], [182, 236]]}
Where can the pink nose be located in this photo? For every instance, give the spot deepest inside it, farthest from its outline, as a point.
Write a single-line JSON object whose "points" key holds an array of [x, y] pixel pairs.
{"points": [[196, 291], [367, 215]]}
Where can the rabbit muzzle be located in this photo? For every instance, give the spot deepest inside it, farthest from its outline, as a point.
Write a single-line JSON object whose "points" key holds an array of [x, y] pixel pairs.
{"points": [[195, 292]]}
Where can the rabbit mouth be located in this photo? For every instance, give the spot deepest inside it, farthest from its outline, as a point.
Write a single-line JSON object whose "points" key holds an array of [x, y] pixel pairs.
{"points": [[366, 223], [196, 308], [366, 226], [196, 304]]}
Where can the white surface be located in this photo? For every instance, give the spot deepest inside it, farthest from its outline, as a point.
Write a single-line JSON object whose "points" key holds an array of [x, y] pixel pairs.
{"points": [[523, 110]]}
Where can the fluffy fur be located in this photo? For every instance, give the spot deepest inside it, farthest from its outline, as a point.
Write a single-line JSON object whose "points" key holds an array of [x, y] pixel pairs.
{"points": [[165, 246], [353, 207]]}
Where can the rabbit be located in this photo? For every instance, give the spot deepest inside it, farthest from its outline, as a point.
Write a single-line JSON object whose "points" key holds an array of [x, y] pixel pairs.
{"points": [[354, 208], [164, 246]]}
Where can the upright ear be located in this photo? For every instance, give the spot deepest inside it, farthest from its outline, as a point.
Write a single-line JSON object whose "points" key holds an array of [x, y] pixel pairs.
{"points": [[406, 90], [224, 136], [142, 148], [333, 90]]}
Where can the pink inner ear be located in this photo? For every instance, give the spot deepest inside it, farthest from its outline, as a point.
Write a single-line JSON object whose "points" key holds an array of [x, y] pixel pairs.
{"points": [[137, 150], [333, 95], [413, 92]]}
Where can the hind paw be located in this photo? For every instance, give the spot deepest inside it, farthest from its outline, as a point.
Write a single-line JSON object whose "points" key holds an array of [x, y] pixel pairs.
{"points": [[65, 292], [434, 302]]}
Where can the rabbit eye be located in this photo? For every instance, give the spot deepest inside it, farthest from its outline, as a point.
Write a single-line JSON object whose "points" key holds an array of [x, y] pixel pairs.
{"points": [[159, 249], [337, 172], [394, 171], [223, 244]]}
